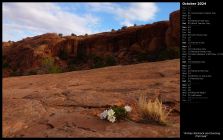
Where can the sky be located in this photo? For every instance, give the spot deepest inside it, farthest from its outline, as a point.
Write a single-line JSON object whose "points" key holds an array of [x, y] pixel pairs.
{"points": [[21, 20]]}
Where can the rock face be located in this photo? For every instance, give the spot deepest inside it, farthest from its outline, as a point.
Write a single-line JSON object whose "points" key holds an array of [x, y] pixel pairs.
{"points": [[68, 104], [125, 46], [26, 54], [147, 38], [173, 32]]}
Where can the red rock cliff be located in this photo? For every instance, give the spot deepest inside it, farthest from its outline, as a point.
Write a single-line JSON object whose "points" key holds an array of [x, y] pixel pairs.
{"points": [[125, 46]]}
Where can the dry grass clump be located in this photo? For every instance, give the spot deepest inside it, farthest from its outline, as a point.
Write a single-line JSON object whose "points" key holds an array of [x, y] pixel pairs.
{"points": [[153, 110]]}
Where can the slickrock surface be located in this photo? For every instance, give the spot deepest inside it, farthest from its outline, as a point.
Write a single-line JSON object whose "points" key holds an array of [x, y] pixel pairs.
{"points": [[68, 104]]}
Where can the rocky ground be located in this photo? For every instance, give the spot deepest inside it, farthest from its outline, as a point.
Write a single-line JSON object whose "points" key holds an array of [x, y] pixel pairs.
{"points": [[68, 104]]}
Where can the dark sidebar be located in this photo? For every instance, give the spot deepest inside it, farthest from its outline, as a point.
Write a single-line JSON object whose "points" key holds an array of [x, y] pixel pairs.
{"points": [[201, 70]]}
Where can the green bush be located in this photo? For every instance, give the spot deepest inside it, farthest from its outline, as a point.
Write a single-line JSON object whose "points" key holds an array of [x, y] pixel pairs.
{"points": [[169, 53], [49, 66], [54, 69], [120, 112], [47, 62]]}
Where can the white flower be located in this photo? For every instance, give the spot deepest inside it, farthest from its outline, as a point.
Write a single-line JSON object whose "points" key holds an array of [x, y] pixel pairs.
{"points": [[111, 112], [104, 114], [111, 118], [128, 108]]}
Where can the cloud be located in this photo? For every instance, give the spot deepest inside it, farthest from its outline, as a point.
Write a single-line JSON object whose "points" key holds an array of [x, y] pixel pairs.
{"points": [[128, 14], [29, 19], [43, 17], [138, 12]]}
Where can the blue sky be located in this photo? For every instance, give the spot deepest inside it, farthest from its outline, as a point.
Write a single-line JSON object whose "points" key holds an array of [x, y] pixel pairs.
{"points": [[21, 20]]}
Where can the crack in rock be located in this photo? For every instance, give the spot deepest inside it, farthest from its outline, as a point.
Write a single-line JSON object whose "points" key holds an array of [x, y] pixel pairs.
{"points": [[50, 126], [83, 128], [84, 106]]}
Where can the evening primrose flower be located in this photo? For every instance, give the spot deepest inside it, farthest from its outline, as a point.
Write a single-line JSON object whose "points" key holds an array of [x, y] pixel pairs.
{"points": [[128, 108], [115, 113], [104, 115], [111, 112], [112, 118]]}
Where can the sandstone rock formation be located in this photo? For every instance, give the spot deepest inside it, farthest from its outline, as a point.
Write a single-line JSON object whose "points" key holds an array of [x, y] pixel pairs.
{"points": [[173, 32], [125, 46]]}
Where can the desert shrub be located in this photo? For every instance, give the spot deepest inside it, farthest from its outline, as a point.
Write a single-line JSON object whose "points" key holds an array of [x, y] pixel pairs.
{"points": [[49, 66], [86, 35], [169, 53], [73, 34], [153, 110], [135, 25], [120, 112], [54, 69], [47, 61], [112, 30], [110, 61]]}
